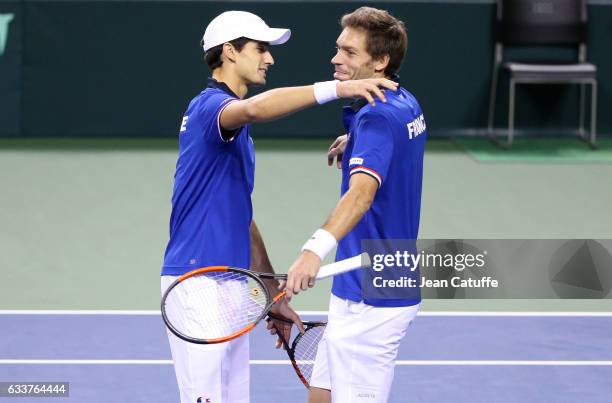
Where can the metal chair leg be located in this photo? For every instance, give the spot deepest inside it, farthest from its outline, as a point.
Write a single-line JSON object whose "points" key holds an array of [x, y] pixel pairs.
{"points": [[581, 131], [511, 113], [497, 60], [593, 137]]}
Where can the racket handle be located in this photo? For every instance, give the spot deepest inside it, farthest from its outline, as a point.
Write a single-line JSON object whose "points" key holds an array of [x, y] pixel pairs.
{"points": [[342, 266]]}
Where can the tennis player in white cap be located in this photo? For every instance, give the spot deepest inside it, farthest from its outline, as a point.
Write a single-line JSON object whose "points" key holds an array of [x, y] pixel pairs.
{"points": [[212, 215]]}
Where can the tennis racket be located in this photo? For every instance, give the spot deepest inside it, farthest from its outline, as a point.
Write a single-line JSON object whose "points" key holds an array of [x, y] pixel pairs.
{"points": [[303, 350], [220, 303]]}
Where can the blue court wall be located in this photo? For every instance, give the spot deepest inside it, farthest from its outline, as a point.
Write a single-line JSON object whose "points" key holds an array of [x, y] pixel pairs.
{"points": [[128, 68]]}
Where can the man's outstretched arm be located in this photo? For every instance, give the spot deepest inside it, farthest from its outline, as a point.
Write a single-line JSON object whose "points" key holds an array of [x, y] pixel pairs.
{"points": [[279, 102], [348, 212]]}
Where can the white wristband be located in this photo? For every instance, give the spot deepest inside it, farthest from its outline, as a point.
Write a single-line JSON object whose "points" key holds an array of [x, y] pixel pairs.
{"points": [[325, 91], [321, 243]]}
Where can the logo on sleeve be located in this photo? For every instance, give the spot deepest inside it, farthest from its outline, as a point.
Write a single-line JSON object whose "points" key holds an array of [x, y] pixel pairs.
{"points": [[184, 124], [356, 161], [416, 127]]}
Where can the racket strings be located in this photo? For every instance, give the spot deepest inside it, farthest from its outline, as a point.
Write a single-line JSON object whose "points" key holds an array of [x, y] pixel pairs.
{"points": [[215, 304], [305, 350]]}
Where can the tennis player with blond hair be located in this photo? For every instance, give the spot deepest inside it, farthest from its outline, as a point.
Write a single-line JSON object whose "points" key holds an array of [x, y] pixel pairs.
{"points": [[382, 171]]}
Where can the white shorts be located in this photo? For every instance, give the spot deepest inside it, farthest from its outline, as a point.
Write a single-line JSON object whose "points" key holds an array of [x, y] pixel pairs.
{"points": [[356, 356], [212, 373]]}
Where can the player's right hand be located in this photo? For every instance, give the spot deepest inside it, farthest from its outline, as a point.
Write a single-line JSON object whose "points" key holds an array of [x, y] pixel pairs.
{"points": [[337, 150], [302, 274], [367, 88]]}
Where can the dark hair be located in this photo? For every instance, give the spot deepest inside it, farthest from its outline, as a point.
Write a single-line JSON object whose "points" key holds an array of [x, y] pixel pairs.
{"points": [[213, 55], [386, 35]]}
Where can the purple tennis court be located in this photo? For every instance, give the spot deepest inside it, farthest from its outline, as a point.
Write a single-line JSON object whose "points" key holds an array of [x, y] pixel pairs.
{"points": [[446, 357]]}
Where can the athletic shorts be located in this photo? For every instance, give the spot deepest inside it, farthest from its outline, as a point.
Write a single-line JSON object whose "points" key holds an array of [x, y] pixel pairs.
{"points": [[209, 373], [356, 356]]}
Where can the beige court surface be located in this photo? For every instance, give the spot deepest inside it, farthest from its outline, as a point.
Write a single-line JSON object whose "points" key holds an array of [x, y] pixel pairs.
{"points": [[83, 223]]}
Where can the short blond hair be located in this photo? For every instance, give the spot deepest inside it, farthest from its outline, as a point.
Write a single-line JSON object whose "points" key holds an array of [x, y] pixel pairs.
{"points": [[386, 35]]}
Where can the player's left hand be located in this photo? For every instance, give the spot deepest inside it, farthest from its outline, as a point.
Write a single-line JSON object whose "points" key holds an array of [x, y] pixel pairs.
{"points": [[283, 310], [337, 150], [302, 273], [368, 88]]}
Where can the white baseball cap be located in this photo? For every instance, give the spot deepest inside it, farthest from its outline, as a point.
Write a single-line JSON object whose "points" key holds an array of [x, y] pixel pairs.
{"points": [[232, 25]]}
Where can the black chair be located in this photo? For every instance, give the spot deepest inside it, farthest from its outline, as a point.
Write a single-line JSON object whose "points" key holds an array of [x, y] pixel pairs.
{"points": [[543, 23]]}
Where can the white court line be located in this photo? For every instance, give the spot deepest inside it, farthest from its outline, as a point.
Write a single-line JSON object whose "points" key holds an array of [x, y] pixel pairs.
{"points": [[287, 362], [77, 312], [309, 313]]}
